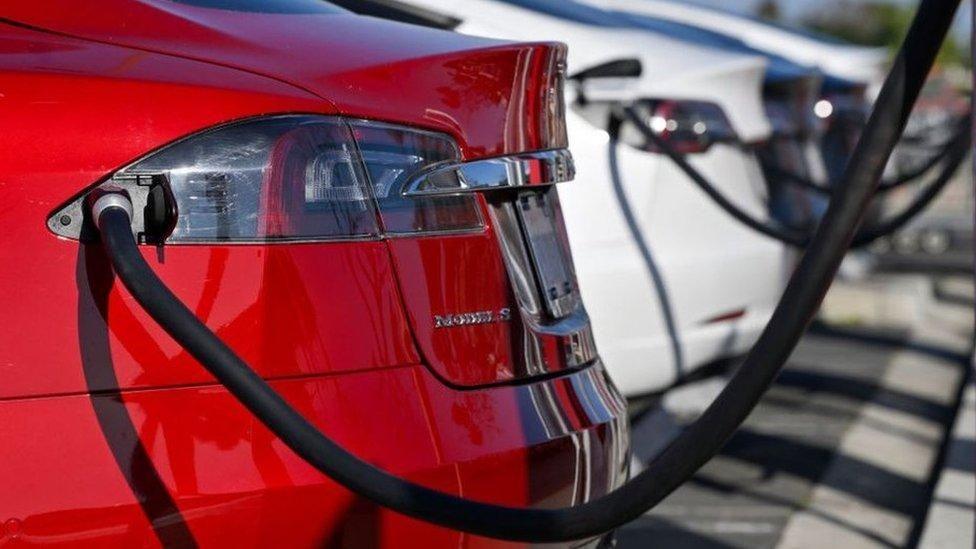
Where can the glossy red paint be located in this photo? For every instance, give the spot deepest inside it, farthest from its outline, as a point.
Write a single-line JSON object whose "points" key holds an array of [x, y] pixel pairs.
{"points": [[465, 273], [79, 111], [492, 98], [121, 439], [454, 275], [204, 468]]}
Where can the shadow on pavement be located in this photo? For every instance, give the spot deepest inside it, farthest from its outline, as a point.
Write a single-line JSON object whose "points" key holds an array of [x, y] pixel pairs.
{"points": [[893, 339], [656, 532], [792, 443]]}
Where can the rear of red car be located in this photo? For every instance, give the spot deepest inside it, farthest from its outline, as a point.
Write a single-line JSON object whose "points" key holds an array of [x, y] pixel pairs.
{"points": [[365, 212]]}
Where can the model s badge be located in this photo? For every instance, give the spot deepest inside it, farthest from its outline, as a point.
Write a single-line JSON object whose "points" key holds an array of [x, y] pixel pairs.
{"points": [[471, 319]]}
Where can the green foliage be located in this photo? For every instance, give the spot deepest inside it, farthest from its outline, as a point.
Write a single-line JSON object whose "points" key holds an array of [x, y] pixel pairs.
{"points": [[876, 24]]}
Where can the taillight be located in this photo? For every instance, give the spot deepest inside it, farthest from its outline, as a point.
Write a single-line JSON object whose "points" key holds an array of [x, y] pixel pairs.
{"points": [[393, 155], [478, 247], [352, 244], [687, 126], [291, 178]]}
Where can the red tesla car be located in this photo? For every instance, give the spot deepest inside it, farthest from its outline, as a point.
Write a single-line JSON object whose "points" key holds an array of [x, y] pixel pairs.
{"points": [[364, 211]]}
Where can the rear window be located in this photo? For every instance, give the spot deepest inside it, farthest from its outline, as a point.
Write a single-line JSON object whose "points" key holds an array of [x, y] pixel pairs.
{"points": [[572, 11], [800, 31], [404, 12], [267, 6]]}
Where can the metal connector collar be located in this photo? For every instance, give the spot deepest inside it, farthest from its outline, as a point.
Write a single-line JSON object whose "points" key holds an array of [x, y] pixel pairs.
{"points": [[111, 200]]}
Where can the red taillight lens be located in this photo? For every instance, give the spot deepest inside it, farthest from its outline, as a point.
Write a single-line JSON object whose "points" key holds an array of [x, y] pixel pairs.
{"points": [[687, 126], [302, 178], [313, 186], [393, 156], [280, 178]]}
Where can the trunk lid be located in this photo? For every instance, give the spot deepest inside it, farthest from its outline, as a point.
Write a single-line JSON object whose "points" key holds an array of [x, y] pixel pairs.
{"points": [[493, 302], [350, 61], [731, 80]]}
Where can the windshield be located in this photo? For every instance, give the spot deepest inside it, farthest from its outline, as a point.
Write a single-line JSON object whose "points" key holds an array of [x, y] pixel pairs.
{"points": [[800, 31], [684, 31], [572, 11], [779, 68], [267, 6]]}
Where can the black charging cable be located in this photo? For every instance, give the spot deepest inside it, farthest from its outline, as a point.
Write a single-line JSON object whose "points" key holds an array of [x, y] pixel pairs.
{"points": [[783, 233], [945, 151], [644, 247], [676, 463], [954, 159], [956, 153]]}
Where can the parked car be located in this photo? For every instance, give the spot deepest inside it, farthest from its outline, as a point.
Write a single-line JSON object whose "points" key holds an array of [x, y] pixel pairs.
{"points": [[834, 57], [852, 74], [282, 183], [790, 93], [669, 279]]}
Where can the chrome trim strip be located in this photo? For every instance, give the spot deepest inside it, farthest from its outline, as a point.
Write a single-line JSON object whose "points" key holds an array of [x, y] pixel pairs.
{"points": [[516, 257], [503, 172], [569, 330]]}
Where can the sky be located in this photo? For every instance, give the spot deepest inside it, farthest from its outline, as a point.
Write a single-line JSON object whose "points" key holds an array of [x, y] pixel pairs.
{"points": [[794, 9]]}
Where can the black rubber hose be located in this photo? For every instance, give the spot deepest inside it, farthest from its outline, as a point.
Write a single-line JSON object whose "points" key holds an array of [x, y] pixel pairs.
{"points": [[637, 235], [795, 236], [685, 455], [789, 235], [884, 228], [945, 152]]}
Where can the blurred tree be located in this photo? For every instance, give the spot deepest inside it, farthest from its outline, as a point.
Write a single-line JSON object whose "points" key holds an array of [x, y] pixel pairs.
{"points": [[876, 24], [769, 10]]}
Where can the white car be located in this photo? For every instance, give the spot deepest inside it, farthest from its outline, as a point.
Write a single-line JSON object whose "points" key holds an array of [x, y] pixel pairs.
{"points": [[670, 281], [852, 74], [835, 58], [791, 92]]}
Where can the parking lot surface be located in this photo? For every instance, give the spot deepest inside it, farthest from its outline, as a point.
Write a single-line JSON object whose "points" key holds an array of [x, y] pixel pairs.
{"points": [[849, 446]]}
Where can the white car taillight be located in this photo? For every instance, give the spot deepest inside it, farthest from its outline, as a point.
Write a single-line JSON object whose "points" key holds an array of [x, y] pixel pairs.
{"points": [[687, 126]]}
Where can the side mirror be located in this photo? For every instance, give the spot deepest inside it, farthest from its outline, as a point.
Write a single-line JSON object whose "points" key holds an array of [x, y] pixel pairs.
{"points": [[611, 81], [621, 68]]}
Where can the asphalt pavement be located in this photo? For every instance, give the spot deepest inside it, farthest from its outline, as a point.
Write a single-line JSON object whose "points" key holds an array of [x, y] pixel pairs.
{"points": [[851, 447]]}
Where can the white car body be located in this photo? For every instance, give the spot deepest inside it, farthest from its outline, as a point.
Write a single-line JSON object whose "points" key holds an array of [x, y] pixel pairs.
{"points": [[859, 64], [864, 67], [712, 267], [671, 68]]}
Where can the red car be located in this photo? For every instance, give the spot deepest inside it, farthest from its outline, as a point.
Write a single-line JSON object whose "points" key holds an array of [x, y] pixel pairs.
{"points": [[362, 210]]}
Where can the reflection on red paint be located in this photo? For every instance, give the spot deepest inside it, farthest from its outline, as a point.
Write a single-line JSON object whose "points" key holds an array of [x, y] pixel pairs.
{"points": [[122, 438], [233, 482]]}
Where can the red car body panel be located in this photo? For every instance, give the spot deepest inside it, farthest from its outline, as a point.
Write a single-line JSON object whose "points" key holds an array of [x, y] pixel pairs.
{"points": [[351, 61], [206, 470], [116, 437], [78, 111], [455, 274]]}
